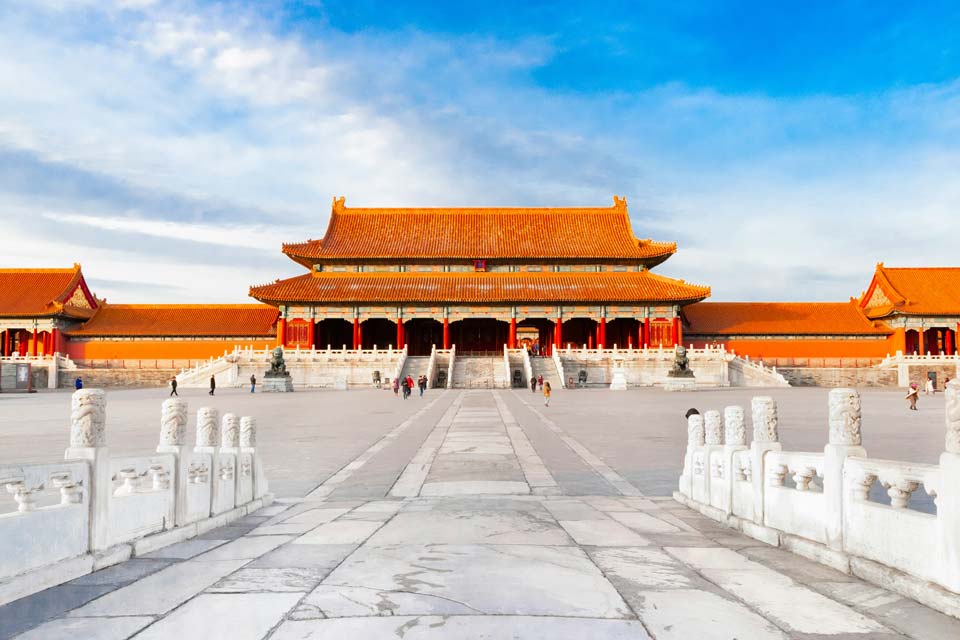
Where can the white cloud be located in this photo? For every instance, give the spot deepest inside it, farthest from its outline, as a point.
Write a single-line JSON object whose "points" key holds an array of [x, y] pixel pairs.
{"points": [[791, 198]]}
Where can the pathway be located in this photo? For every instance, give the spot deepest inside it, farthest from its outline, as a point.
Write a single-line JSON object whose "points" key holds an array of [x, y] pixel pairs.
{"points": [[476, 517]]}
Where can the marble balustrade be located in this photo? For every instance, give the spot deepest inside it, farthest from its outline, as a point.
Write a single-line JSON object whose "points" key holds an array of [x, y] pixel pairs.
{"points": [[837, 506], [92, 510]]}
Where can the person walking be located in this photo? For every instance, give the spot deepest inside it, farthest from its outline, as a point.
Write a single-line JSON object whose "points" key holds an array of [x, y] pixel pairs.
{"points": [[930, 389], [912, 395], [396, 386], [546, 394], [78, 383], [173, 387], [423, 384], [213, 384], [253, 382], [540, 380], [410, 382], [406, 387], [533, 383]]}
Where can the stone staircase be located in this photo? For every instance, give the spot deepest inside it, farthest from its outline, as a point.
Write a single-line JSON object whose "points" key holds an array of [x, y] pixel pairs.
{"points": [[479, 372], [415, 366], [548, 369]]}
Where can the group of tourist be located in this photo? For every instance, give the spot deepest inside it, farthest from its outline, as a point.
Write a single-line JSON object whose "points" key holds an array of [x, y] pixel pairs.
{"points": [[537, 381], [913, 394], [407, 385]]}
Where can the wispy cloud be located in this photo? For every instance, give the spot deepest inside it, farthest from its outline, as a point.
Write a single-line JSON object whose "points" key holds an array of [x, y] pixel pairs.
{"points": [[188, 139]]}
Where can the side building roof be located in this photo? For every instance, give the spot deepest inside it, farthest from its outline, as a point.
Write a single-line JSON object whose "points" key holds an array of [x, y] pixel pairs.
{"points": [[494, 233], [202, 320], [46, 292], [780, 318], [483, 287], [912, 291]]}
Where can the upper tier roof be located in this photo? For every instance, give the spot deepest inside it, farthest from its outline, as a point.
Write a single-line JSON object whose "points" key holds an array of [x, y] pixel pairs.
{"points": [[575, 233], [45, 292], [233, 320], [913, 291], [779, 318], [486, 288]]}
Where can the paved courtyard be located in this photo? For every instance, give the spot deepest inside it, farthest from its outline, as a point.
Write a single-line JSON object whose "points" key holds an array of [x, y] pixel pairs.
{"points": [[471, 514]]}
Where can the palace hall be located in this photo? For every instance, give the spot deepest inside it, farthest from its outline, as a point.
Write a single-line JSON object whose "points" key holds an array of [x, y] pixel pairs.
{"points": [[478, 280]]}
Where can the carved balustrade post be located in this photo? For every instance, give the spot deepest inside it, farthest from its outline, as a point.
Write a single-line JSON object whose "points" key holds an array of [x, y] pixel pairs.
{"points": [[173, 440], [948, 494], [88, 443], [695, 442], [766, 437], [844, 412], [208, 443], [734, 440], [713, 464], [248, 444], [230, 451]]}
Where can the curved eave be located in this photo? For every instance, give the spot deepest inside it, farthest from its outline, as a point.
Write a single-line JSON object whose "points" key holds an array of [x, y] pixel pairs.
{"points": [[562, 288]]}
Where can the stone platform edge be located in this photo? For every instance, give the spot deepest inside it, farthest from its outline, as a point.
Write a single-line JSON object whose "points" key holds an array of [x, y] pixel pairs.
{"points": [[36, 580], [924, 592]]}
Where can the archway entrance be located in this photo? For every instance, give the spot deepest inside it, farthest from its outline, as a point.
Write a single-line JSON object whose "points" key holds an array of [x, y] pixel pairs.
{"points": [[579, 332], [623, 332], [378, 331], [479, 335], [335, 332], [421, 334], [535, 335]]}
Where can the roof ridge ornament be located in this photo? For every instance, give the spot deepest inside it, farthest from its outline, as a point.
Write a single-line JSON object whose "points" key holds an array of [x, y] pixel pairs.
{"points": [[339, 204], [620, 203]]}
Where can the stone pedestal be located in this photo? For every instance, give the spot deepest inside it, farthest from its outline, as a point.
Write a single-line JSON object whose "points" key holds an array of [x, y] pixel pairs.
{"points": [[619, 380], [680, 384], [280, 384]]}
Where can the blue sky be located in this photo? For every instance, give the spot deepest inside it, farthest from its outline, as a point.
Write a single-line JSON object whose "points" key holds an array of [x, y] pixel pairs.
{"points": [[170, 147]]}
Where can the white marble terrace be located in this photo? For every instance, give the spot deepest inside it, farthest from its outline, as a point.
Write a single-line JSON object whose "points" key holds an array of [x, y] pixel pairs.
{"points": [[827, 505], [92, 510]]}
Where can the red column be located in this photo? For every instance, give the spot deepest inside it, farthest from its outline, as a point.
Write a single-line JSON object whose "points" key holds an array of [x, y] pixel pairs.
{"points": [[920, 349], [33, 349], [356, 333], [6, 343], [602, 340], [674, 335], [55, 340], [558, 333], [512, 340], [948, 342], [399, 333], [446, 333], [678, 323], [645, 332], [360, 335], [311, 334], [281, 332]]}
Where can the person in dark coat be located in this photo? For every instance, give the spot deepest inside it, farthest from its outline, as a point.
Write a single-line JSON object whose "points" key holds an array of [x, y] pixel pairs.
{"points": [[253, 382], [406, 387], [173, 387], [533, 383], [213, 384], [78, 383]]}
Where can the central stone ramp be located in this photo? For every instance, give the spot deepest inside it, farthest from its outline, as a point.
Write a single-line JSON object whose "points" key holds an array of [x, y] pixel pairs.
{"points": [[470, 452]]}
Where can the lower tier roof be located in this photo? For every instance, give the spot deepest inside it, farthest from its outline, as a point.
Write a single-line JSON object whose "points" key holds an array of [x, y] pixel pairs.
{"points": [[480, 288], [227, 320], [780, 318]]}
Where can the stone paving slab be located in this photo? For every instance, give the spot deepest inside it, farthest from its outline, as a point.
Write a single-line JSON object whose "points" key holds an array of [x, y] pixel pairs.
{"points": [[446, 559]]}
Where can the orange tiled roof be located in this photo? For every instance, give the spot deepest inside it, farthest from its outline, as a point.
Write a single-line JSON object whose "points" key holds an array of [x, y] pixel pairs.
{"points": [[582, 233], [237, 320], [45, 292], [484, 288], [779, 318], [913, 291]]}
